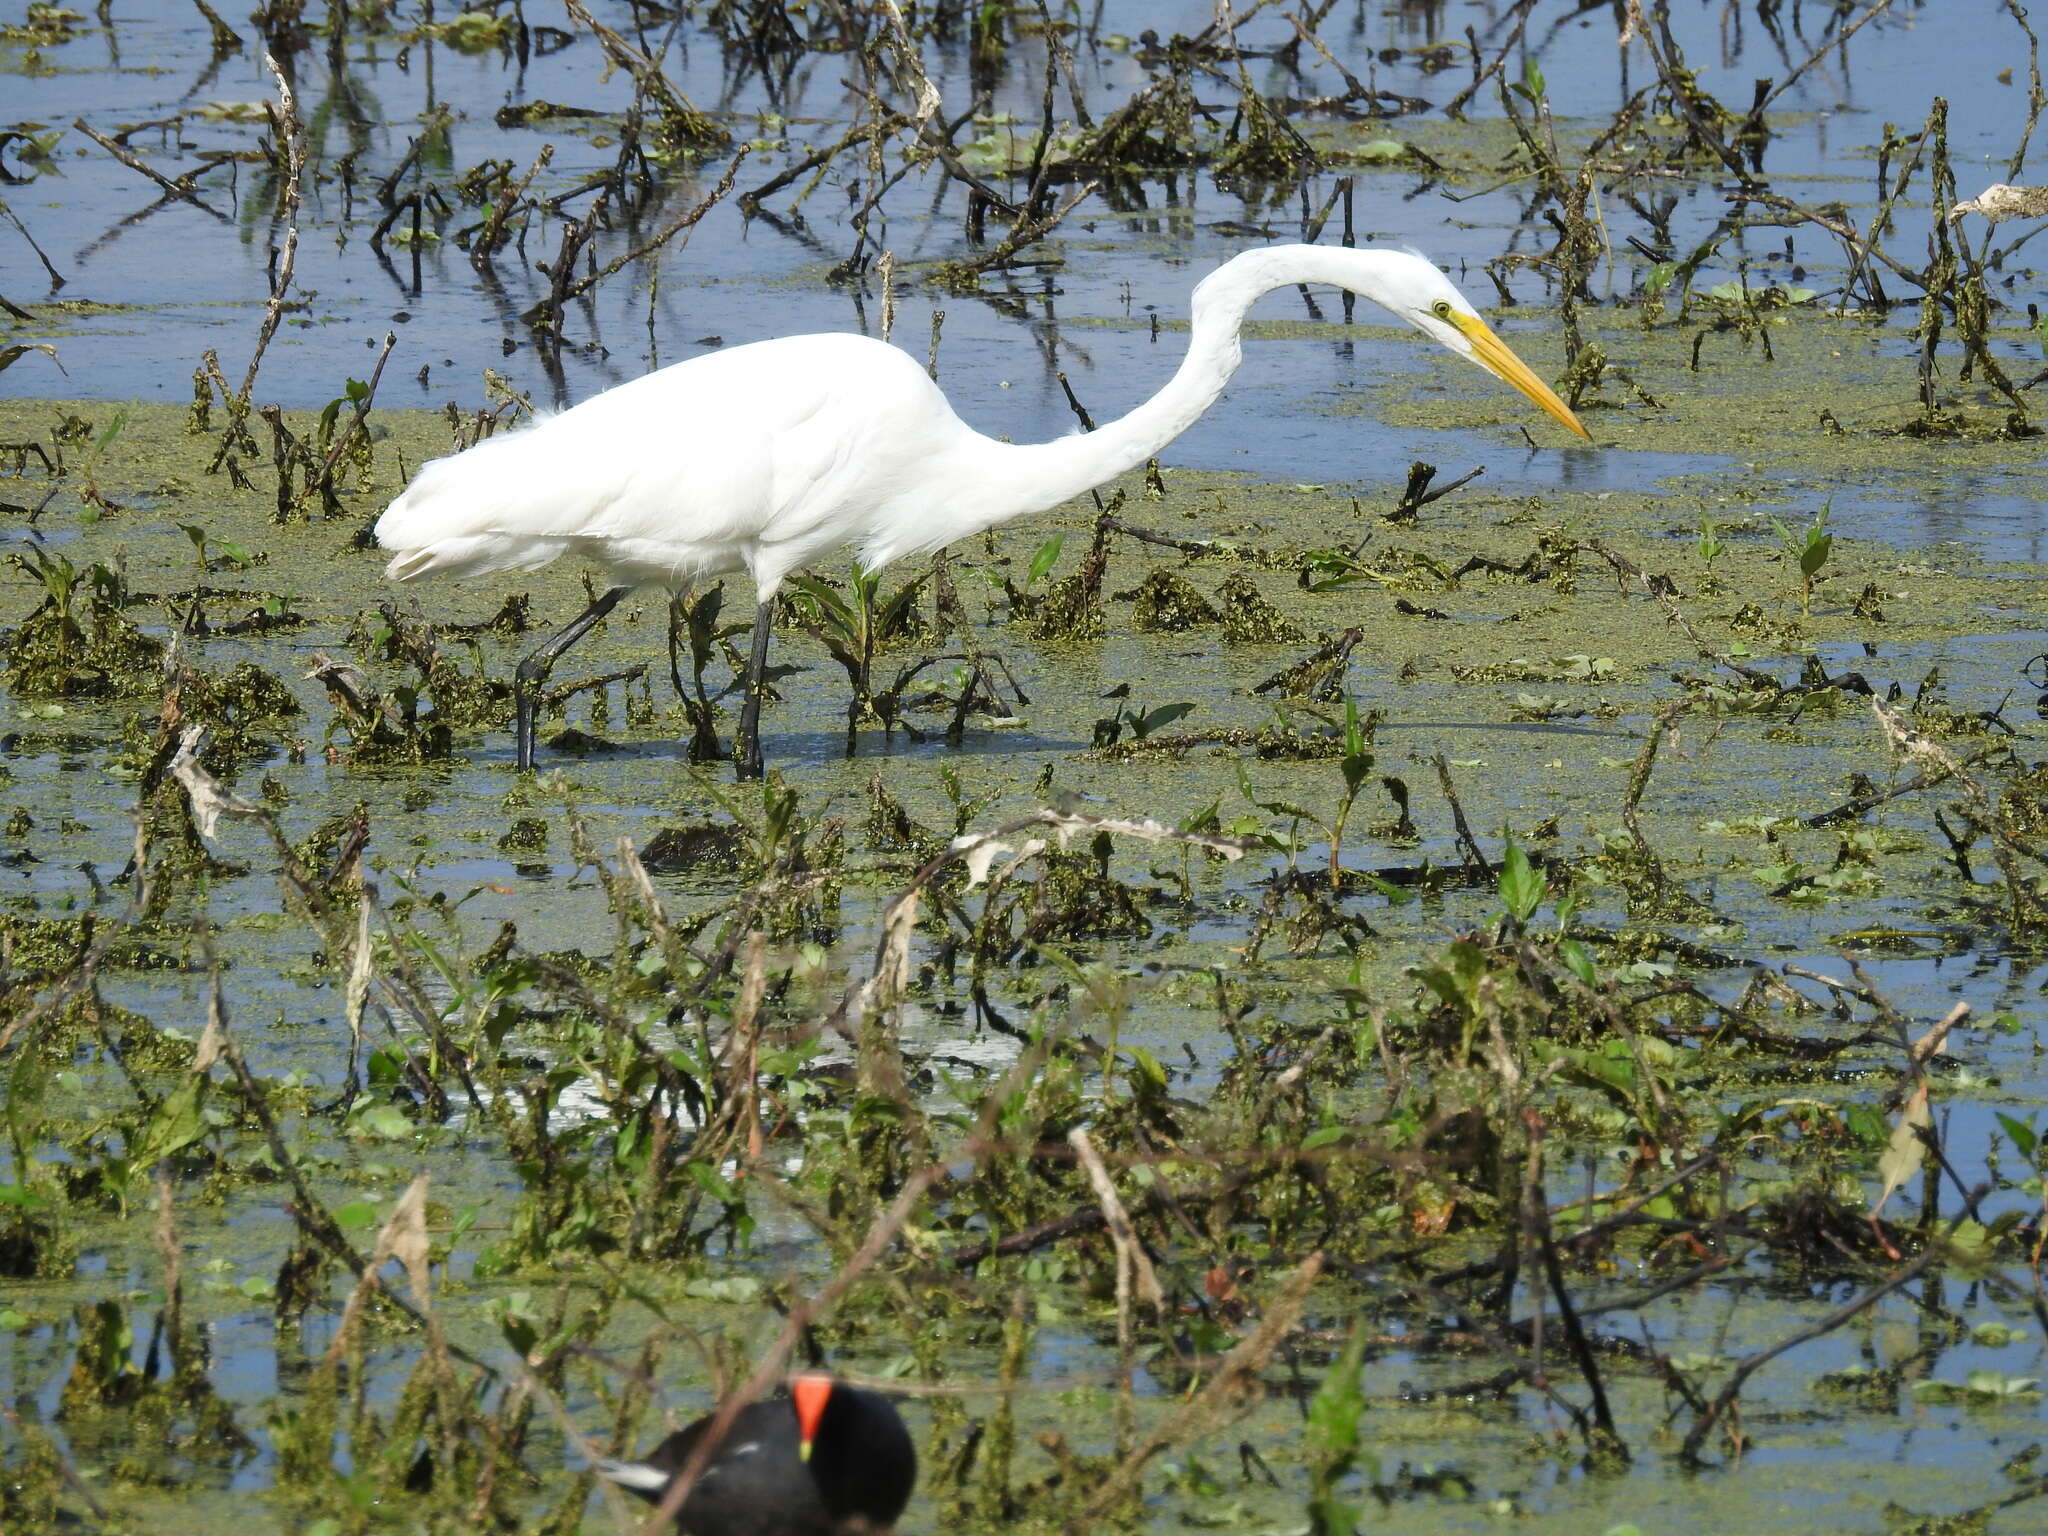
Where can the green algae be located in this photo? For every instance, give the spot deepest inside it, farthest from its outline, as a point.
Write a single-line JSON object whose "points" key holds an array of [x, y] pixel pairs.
{"points": [[1609, 789], [1525, 656], [1249, 619], [1167, 601], [78, 643]]}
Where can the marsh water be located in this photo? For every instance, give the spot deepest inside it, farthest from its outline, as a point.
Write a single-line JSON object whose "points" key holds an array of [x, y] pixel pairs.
{"points": [[1578, 871]]}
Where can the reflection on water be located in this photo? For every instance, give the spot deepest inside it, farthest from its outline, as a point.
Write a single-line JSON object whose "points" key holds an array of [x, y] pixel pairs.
{"points": [[156, 283], [182, 279]]}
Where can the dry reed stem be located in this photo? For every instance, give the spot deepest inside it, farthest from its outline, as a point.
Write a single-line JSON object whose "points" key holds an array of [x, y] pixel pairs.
{"points": [[881, 1233], [1237, 1372]]}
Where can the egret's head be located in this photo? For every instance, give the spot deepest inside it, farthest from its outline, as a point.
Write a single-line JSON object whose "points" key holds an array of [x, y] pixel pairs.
{"points": [[1427, 300]]}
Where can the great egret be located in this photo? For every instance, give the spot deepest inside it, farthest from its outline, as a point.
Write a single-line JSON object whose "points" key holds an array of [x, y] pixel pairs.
{"points": [[825, 1460], [765, 457]]}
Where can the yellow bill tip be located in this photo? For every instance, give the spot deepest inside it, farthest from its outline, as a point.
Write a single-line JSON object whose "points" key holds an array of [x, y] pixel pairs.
{"points": [[1495, 356]]}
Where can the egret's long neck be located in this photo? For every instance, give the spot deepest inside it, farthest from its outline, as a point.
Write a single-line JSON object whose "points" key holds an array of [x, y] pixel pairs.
{"points": [[1033, 477]]}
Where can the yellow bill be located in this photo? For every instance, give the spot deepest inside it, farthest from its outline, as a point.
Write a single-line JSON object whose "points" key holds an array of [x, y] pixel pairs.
{"points": [[1494, 355]]}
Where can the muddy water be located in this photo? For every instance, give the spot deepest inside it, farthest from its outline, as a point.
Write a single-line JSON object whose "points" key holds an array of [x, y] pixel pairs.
{"points": [[1538, 694]]}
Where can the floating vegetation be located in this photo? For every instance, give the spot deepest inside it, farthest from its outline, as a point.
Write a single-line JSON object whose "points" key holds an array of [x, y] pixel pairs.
{"points": [[1167, 600], [1417, 1000], [78, 642], [1249, 618]]}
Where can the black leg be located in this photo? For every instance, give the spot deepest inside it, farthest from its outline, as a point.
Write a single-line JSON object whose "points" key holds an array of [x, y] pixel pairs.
{"points": [[678, 618], [749, 744], [534, 669]]}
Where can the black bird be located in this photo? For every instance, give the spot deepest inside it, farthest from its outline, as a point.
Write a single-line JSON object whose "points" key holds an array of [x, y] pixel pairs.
{"points": [[822, 1459]]}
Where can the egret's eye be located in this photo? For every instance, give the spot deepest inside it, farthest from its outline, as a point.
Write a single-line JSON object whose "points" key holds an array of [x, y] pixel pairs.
{"points": [[1441, 309]]}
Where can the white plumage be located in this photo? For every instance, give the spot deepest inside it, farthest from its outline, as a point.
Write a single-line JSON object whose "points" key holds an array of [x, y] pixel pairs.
{"points": [[766, 457], [760, 458]]}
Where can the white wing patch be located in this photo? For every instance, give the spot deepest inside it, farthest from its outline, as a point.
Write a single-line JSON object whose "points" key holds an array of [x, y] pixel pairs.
{"points": [[647, 1479], [633, 1474]]}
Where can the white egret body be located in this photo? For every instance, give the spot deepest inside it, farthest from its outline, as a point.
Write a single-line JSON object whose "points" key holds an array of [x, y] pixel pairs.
{"points": [[764, 458]]}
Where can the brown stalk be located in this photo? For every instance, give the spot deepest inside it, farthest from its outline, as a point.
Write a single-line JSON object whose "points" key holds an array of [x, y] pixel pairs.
{"points": [[281, 280], [325, 475], [1236, 1374], [564, 289], [1719, 1409], [165, 1237], [648, 77], [1455, 110], [1133, 1267], [1536, 1227], [2028, 910], [1475, 859], [65, 1469], [1849, 810], [490, 235], [178, 189], [1639, 781], [881, 1233], [310, 1214]]}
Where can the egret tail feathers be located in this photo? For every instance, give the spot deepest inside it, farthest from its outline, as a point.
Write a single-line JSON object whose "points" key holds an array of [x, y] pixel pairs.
{"points": [[408, 564]]}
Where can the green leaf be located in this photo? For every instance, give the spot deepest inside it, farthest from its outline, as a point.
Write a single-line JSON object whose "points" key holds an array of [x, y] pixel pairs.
{"points": [[1144, 725], [177, 1122], [519, 1331], [1145, 1070], [1336, 1417], [1357, 761], [2024, 1136], [1815, 554], [732, 1288], [1397, 895], [1969, 1238], [383, 1121], [1458, 982], [1610, 1066], [1047, 557], [1522, 887], [826, 606], [1578, 961], [1866, 1123]]}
